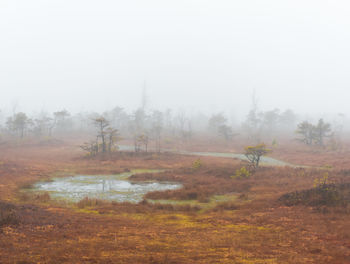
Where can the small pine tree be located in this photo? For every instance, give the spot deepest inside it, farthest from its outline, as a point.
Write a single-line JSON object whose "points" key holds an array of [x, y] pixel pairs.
{"points": [[242, 173], [254, 154], [197, 164]]}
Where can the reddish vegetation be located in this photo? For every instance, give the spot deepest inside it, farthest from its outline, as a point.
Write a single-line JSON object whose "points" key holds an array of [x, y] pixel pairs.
{"points": [[199, 184], [256, 228]]}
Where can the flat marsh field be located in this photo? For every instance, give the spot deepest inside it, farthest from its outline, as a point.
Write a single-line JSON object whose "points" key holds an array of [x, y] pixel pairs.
{"points": [[214, 218]]}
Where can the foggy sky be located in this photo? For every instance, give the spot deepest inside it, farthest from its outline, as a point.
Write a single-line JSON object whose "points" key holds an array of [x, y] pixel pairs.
{"points": [[192, 54]]}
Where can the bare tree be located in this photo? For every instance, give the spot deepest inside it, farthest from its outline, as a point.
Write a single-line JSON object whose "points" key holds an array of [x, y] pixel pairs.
{"points": [[287, 119], [91, 147], [314, 134], [118, 118], [226, 132], [139, 120], [215, 122], [112, 137], [306, 131], [157, 127], [43, 125], [19, 123], [184, 126], [141, 141], [270, 120], [321, 131], [102, 124], [61, 121], [252, 125]]}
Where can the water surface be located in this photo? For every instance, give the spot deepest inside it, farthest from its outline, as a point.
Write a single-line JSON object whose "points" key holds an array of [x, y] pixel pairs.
{"points": [[107, 187], [264, 160]]}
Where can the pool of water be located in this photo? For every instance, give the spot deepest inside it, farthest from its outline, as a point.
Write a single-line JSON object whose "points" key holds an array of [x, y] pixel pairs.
{"points": [[107, 187]]}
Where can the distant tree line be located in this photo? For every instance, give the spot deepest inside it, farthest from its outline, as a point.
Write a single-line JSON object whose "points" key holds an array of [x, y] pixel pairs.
{"points": [[152, 130], [19, 124]]}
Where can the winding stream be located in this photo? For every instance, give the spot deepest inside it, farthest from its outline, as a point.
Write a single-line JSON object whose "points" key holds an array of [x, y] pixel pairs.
{"points": [[268, 161], [263, 161]]}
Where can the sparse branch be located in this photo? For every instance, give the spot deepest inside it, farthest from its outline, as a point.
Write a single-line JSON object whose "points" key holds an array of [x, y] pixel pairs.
{"points": [[254, 154]]}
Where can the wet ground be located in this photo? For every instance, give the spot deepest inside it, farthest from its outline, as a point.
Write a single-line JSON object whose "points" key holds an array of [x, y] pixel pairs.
{"points": [[107, 187], [268, 161]]}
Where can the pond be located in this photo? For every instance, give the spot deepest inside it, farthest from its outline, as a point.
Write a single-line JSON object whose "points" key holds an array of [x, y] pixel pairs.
{"points": [[106, 187]]}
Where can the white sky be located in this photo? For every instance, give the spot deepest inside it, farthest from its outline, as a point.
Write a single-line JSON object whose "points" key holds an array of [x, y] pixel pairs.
{"points": [[193, 54]]}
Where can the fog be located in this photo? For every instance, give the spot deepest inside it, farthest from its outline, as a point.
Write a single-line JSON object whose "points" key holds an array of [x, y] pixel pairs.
{"points": [[195, 55]]}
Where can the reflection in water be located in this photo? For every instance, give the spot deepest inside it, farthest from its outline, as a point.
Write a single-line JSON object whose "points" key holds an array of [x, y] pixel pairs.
{"points": [[113, 187]]}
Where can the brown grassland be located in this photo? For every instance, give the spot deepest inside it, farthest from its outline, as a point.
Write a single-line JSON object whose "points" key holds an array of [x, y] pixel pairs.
{"points": [[254, 226]]}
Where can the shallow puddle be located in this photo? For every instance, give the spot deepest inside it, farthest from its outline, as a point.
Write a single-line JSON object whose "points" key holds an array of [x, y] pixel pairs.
{"points": [[106, 187]]}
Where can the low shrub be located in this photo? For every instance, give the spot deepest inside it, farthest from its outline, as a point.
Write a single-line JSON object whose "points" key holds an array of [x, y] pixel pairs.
{"points": [[43, 197], [229, 206], [321, 195], [197, 164], [145, 207], [8, 214], [241, 173], [90, 202]]}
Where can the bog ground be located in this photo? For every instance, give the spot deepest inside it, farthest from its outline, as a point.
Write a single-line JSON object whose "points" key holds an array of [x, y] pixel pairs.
{"points": [[214, 218]]}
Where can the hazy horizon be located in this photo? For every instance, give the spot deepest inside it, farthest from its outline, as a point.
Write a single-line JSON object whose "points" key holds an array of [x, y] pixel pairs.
{"points": [[193, 55]]}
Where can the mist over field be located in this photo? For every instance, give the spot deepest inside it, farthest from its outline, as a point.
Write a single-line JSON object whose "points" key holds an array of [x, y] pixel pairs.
{"points": [[207, 56], [182, 131]]}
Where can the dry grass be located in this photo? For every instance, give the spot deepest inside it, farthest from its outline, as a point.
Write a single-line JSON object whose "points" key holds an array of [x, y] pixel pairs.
{"points": [[254, 229]]}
